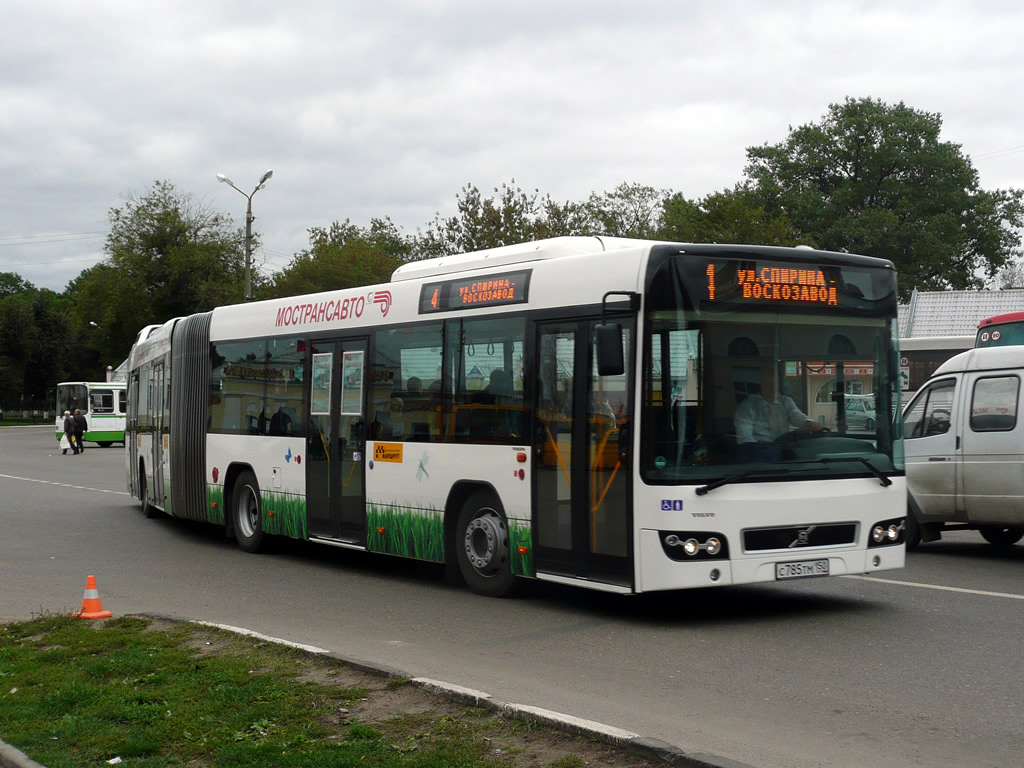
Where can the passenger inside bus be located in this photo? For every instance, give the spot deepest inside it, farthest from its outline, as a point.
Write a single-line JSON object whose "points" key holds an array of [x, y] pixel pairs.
{"points": [[281, 422]]}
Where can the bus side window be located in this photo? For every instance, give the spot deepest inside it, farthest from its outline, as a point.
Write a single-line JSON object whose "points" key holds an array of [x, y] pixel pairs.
{"points": [[404, 358], [487, 359]]}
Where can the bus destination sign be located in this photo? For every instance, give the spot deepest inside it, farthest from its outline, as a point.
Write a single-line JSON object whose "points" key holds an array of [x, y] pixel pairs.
{"points": [[757, 283], [483, 291]]}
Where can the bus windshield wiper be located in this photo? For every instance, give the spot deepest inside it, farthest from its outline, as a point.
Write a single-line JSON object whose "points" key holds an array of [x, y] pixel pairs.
{"points": [[882, 477], [740, 476]]}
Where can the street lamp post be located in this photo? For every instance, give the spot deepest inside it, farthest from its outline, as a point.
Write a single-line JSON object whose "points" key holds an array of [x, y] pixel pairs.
{"points": [[248, 224]]}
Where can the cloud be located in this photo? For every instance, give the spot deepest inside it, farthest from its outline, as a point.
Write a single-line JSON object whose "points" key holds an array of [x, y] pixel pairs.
{"points": [[389, 109]]}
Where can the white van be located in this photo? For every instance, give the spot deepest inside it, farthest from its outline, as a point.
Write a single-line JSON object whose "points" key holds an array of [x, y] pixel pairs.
{"points": [[964, 446]]}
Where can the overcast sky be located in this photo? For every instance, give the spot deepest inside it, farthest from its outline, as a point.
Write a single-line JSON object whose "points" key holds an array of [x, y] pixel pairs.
{"points": [[387, 109]]}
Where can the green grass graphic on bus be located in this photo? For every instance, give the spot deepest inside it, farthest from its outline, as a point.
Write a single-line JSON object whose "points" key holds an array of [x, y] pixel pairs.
{"points": [[215, 504], [390, 530], [420, 534], [283, 514], [519, 540], [400, 531]]}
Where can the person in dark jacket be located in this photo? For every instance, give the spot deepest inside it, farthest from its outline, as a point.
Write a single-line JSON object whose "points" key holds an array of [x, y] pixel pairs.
{"points": [[80, 427], [69, 431]]}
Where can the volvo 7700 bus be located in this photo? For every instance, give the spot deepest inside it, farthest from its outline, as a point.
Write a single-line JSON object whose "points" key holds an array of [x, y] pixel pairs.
{"points": [[565, 410]]}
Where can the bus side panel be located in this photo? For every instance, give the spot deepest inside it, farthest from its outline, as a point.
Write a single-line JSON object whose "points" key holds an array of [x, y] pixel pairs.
{"points": [[408, 485], [278, 465]]}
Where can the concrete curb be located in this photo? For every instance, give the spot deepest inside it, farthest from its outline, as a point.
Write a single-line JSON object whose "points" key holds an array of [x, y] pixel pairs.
{"points": [[15, 758], [655, 749]]}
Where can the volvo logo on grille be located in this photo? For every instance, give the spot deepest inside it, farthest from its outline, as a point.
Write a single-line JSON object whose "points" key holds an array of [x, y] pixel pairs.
{"points": [[803, 537]]}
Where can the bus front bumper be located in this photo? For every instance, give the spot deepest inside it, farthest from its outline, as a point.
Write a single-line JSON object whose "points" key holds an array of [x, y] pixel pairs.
{"points": [[659, 572]]}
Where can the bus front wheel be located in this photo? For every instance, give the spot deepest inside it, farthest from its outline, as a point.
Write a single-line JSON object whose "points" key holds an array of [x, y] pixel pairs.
{"points": [[246, 511], [482, 547]]}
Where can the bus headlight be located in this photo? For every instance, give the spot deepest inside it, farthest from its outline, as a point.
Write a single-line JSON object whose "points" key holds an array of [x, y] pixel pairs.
{"points": [[698, 545], [887, 532]]}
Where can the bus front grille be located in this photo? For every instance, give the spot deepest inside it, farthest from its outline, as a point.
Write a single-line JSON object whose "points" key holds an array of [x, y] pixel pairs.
{"points": [[799, 537]]}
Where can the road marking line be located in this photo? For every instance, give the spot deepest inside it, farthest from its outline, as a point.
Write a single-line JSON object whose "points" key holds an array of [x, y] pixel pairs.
{"points": [[64, 485], [939, 587]]}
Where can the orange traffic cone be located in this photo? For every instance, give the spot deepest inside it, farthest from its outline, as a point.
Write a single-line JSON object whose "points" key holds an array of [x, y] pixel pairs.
{"points": [[91, 607]]}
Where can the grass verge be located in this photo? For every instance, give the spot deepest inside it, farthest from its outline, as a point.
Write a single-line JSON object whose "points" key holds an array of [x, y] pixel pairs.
{"points": [[156, 693]]}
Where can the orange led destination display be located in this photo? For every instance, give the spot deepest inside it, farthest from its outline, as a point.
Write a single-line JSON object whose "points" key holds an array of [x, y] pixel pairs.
{"points": [[489, 291], [786, 285]]}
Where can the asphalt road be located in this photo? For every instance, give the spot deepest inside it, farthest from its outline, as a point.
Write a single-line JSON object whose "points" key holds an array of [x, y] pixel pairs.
{"points": [[922, 667]]}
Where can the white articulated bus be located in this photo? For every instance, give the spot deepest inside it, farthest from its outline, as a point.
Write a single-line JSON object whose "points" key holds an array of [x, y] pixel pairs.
{"points": [[563, 410]]}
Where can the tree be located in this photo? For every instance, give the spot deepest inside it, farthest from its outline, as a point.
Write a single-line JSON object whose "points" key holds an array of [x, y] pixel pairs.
{"points": [[16, 326], [514, 216], [33, 345], [106, 314], [874, 178], [629, 210], [12, 283], [1010, 276], [342, 256], [168, 256], [740, 215]]}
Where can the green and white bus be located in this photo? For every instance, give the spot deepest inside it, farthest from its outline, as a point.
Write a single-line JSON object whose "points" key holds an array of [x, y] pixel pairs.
{"points": [[563, 410], [103, 403]]}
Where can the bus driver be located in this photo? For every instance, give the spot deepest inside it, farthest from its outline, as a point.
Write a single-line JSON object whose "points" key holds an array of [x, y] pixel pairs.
{"points": [[761, 418]]}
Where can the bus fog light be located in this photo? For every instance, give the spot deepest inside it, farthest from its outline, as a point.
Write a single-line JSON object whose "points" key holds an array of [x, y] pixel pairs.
{"points": [[691, 547], [713, 546], [876, 561], [878, 534], [715, 574]]}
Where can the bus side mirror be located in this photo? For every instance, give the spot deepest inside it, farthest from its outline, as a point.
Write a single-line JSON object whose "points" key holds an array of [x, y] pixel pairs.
{"points": [[609, 350]]}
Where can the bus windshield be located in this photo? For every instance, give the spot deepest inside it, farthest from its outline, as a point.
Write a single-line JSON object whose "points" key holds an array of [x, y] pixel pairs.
{"points": [[1001, 331], [762, 368], [72, 396]]}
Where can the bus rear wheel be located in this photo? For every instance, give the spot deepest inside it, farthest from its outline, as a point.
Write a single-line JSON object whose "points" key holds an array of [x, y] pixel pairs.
{"points": [[246, 511], [482, 547], [148, 510]]}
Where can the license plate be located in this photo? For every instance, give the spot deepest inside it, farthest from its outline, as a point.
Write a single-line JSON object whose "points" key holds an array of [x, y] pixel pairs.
{"points": [[801, 570]]}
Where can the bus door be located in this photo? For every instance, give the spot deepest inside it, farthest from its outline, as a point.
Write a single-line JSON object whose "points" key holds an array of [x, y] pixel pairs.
{"points": [[155, 418], [132, 427], [335, 495], [582, 508]]}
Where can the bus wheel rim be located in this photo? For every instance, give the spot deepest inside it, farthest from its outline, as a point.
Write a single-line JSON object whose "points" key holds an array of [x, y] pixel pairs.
{"points": [[486, 543], [248, 513]]}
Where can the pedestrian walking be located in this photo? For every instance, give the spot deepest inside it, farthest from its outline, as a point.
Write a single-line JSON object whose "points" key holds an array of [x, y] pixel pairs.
{"points": [[68, 440], [80, 426]]}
